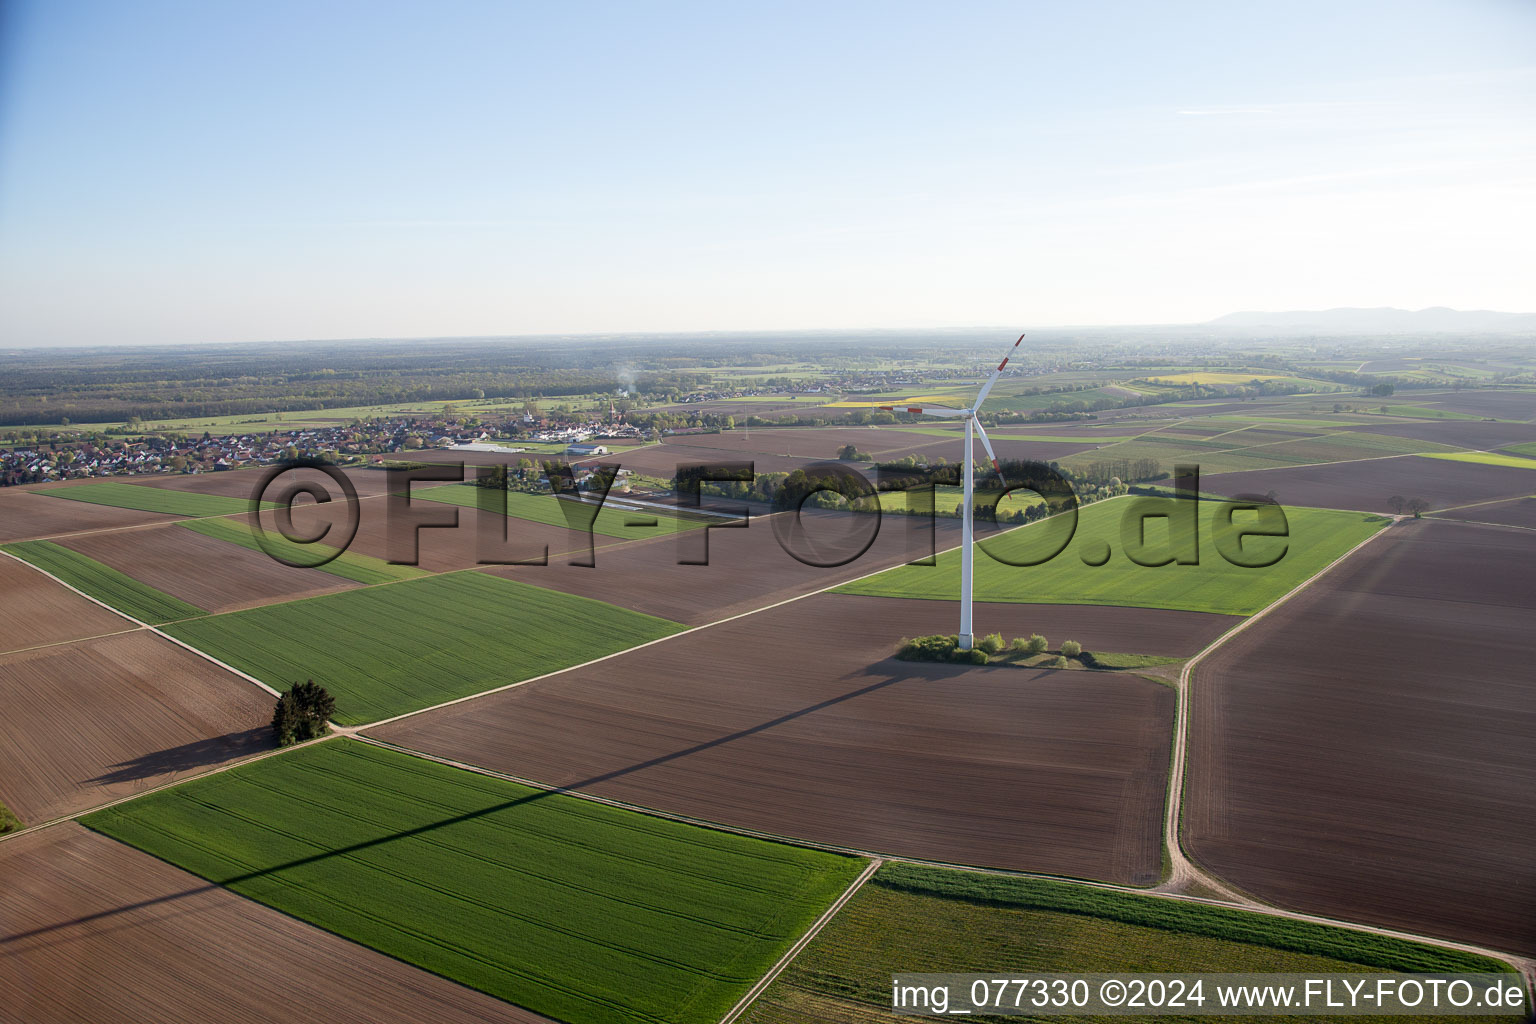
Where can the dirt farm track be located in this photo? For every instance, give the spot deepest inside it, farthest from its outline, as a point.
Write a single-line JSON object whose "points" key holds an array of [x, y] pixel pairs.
{"points": [[1365, 752], [120, 936], [796, 722]]}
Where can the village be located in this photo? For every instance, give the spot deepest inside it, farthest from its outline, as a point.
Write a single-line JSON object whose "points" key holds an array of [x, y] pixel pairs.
{"points": [[69, 456]]}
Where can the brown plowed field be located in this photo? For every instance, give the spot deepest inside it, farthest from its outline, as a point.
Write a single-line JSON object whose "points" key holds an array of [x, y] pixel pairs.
{"points": [[212, 574], [1365, 752], [748, 569], [1367, 485], [34, 610], [1459, 433], [26, 514], [796, 722], [95, 720], [1518, 512], [96, 931], [1505, 405]]}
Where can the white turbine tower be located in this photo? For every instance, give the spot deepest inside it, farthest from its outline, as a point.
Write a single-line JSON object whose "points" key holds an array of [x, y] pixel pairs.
{"points": [[972, 429]]}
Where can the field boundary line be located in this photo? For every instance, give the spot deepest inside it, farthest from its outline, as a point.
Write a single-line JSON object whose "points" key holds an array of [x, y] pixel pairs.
{"points": [[144, 625], [66, 643], [805, 940], [1183, 868], [1477, 504]]}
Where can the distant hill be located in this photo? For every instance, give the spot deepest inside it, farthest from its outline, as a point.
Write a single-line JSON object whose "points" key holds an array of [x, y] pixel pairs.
{"points": [[1382, 320]]}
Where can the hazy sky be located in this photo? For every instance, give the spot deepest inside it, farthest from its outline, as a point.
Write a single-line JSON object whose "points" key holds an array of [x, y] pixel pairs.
{"points": [[222, 171]]}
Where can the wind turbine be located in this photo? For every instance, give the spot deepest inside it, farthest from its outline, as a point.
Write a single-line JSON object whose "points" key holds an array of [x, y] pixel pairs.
{"points": [[972, 429]]}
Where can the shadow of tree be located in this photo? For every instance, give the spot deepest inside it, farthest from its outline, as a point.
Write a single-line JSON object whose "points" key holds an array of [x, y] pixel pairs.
{"points": [[189, 756]]}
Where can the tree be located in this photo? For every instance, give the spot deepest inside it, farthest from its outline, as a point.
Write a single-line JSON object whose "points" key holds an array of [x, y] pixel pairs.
{"points": [[1396, 503], [1418, 506], [851, 453], [1036, 644], [301, 713], [1383, 389], [992, 643], [1071, 648]]}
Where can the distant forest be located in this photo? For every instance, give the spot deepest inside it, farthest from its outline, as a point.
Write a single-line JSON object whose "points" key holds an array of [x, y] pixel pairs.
{"points": [[114, 385], [104, 384]]}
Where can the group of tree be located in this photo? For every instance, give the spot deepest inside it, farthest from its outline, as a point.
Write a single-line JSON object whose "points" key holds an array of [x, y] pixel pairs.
{"points": [[302, 713], [1115, 471], [524, 476], [946, 647], [1415, 507]]}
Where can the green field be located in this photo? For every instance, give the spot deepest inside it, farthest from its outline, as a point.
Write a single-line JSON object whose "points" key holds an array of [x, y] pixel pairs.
{"points": [[348, 565], [922, 919], [586, 913], [1425, 413], [1288, 421], [1258, 447], [1316, 537], [1485, 459], [152, 499], [545, 508], [384, 651], [1528, 449], [104, 583]]}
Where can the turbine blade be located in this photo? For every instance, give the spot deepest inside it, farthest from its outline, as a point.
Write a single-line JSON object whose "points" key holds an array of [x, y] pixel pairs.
{"points": [[986, 443], [981, 396]]}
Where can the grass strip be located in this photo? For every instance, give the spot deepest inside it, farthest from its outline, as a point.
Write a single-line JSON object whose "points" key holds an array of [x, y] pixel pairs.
{"points": [[152, 499], [105, 583]]}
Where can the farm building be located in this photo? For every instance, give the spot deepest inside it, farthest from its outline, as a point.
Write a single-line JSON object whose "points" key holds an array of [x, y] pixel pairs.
{"points": [[586, 449]]}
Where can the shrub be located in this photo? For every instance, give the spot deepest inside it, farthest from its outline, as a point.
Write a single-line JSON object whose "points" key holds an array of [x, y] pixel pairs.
{"points": [[928, 648], [992, 643], [1036, 644], [1019, 645], [8, 821], [301, 713], [1058, 662], [1071, 648], [977, 656]]}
